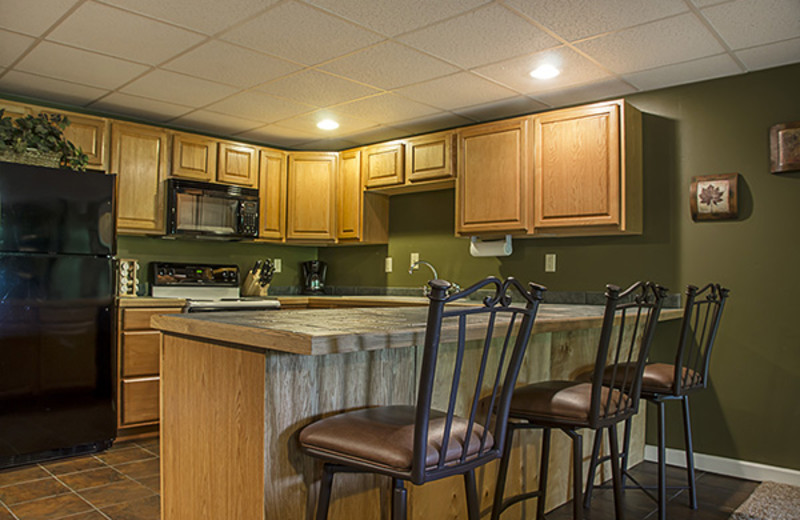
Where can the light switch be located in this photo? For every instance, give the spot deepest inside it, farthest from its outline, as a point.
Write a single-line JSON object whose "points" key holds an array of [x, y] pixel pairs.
{"points": [[387, 266], [550, 263], [414, 259]]}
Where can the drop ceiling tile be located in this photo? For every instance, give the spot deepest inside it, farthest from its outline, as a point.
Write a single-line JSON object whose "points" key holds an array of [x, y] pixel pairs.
{"points": [[391, 17], [595, 17], [433, 123], [12, 45], [138, 107], [456, 91], [707, 3], [318, 88], [515, 73], [259, 107], [502, 109], [206, 16], [389, 65], [275, 135], [59, 62], [772, 55], [176, 88], [747, 23], [328, 145], [214, 123], [586, 93], [379, 134], [307, 124], [688, 72], [674, 40], [47, 89], [486, 35], [386, 109], [301, 33], [32, 16], [119, 33], [226, 63]]}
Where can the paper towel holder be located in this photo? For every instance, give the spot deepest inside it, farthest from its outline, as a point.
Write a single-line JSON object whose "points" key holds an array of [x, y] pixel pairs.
{"points": [[496, 247]]}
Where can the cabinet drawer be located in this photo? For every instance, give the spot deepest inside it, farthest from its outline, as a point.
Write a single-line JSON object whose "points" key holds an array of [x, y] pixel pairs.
{"points": [[140, 401], [140, 353], [139, 319]]}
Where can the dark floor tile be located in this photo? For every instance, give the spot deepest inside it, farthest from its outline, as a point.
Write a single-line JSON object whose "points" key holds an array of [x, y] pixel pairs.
{"points": [[33, 490], [90, 515], [92, 478], [5, 514], [20, 475], [123, 491], [121, 445], [145, 509], [75, 464], [152, 444], [140, 469], [130, 454], [52, 508], [153, 483]]}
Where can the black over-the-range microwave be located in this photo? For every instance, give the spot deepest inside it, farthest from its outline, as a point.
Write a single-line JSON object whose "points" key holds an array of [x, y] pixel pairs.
{"points": [[205, 210]]}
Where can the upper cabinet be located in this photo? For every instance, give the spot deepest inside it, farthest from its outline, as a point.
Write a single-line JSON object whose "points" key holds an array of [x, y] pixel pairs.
{"points": [[90, 135], [311, 197], [383, 164], [272, 194], [430, 157], [422, 163], [238, 164], [588, 170], [362, 217], [139, 156], [492, 188], [194, 157]]}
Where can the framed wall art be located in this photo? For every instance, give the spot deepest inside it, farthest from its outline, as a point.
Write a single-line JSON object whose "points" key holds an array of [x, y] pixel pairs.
{"points": [[714, 197], [784, 147]]}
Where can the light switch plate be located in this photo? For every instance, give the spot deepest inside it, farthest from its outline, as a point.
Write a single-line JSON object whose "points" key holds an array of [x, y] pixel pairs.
{"points": [[387, 266], [278, 264], [414, 259], [550, 263]]}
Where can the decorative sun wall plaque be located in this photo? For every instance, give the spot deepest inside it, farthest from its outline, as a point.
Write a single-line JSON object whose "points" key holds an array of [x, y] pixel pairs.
{"points": [[784, 147], [714, 197]]}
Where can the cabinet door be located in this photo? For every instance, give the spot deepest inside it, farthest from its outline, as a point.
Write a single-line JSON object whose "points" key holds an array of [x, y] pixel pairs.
{"points": [[89, 134], [311, 209], [349, 199], [430, 157], [238, 164], [383, 164], [577, 167], [272, 194], [139, 160], [492, 195], [194, 157]]}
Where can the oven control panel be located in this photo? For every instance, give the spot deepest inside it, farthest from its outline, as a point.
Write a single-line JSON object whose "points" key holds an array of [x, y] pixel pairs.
{"points": [[171, 273]]}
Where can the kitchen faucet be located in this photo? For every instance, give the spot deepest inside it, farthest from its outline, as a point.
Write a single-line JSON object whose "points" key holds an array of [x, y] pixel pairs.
{"points": [[454, 288]]}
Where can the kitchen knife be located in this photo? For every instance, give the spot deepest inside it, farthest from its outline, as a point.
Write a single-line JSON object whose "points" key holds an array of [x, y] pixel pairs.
{"points": [[254, 270]]}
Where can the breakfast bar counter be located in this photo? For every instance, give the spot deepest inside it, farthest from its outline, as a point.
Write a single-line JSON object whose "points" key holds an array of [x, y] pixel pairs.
{"points": [[237, 387]]}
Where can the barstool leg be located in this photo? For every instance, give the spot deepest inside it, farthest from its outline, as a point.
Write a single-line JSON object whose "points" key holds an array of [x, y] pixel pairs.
{"points": [[687, 431], [626, 444], [598, 440], [616, 473], [324, 492], [502, 470], [543, 470], [662, 462], [577, 474], [398, 500], [473, 508]]}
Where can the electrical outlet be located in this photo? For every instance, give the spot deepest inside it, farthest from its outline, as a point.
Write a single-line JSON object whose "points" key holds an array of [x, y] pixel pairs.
{"points": [[387, 265], [414, 259], [278, 264], [550, 263]]}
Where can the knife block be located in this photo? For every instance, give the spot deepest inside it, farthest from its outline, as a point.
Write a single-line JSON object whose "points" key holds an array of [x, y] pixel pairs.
{"points": [[251, 286]]}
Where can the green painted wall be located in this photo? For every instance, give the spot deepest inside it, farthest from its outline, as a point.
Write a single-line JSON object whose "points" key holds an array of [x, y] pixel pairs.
{"points": [[720, 126]]}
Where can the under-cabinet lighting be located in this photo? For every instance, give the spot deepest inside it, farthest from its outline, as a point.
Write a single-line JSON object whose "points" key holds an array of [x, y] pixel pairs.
{"points": [[327, 124], [545, 71]]}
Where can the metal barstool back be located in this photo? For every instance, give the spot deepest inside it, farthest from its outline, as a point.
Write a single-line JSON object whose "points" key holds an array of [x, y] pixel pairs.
{"points": [[450, 431]]}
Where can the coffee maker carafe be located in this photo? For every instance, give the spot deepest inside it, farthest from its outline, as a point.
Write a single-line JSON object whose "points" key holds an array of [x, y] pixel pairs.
{"points": [[314, 277]]}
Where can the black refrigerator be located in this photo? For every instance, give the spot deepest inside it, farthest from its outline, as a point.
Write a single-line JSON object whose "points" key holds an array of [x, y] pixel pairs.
{"points": [[57, 272]]}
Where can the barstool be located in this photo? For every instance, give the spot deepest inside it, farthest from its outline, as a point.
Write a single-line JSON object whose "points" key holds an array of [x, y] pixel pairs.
{"points": [[447, 434], [570, 405], [662, 382]]}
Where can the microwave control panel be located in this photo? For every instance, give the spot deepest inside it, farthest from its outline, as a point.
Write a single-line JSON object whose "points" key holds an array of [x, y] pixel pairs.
{"points": [[248, 218]]}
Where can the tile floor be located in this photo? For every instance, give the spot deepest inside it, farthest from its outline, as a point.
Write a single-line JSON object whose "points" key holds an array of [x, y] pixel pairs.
{"points": [[119, 484]]}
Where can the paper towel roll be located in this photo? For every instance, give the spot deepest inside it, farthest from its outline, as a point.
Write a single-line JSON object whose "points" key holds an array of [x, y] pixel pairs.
{"points": [[501, 247]]}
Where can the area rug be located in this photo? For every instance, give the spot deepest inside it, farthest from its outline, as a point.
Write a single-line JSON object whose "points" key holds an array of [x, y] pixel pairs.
{"points": [[770, 501]]}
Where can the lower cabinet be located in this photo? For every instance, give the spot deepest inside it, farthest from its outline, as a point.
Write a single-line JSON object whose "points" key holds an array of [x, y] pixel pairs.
{"points": [[138, 369]]}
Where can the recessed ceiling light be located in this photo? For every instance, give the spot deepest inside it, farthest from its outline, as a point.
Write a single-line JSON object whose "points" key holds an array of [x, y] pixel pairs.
{"points": [[327, 124], [545, 71]]}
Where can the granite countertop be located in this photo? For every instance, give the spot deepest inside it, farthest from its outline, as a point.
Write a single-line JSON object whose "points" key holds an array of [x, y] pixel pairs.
{"points": [[328, 331]]}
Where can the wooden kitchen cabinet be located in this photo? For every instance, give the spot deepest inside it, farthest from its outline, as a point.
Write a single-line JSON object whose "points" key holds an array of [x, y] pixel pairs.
{"points": [[138, 368], [311, 196], [139, 157], [194, 157], [587, 170], [362, 217], [383, 164], [272, 194], [90, 135], [494, 172], [237, 164], [430, 157]]}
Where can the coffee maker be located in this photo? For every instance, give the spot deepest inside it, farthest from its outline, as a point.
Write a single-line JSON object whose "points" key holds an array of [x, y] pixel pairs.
{"points": [[314, 277]]}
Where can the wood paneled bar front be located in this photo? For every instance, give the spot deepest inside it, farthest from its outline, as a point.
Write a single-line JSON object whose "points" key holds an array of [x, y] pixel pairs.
{"points": [[237, 387]]}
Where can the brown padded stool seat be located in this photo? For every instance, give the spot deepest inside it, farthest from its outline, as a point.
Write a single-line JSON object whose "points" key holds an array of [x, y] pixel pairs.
{"points": [[561, 400], [659, 378], [385, 436]]}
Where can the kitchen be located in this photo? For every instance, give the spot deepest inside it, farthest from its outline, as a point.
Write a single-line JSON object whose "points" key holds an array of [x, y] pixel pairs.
{"points": [[715, 126]]}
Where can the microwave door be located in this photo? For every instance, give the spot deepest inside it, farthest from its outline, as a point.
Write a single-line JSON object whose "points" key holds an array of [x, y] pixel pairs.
{"points": [[204, 213]]}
